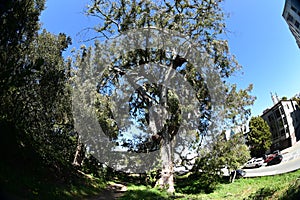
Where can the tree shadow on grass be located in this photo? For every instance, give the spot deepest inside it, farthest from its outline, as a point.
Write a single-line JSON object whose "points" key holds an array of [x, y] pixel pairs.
{"points": [[263, 193], [198, 183], [293, 193]]}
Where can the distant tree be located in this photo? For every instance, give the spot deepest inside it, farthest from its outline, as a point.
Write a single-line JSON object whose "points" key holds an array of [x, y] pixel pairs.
{"points": [[297, 99], [259, 136], [103, 103], [284, 98]]}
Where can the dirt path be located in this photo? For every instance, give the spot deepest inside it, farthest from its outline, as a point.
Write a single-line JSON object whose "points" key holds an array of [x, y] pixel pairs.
{"points": [[113, 191]]}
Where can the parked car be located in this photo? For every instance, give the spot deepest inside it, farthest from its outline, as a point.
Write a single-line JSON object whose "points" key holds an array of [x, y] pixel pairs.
{"points": [[270, 157], [254, 162], [239, 173], [276, 160], [277, 152]]}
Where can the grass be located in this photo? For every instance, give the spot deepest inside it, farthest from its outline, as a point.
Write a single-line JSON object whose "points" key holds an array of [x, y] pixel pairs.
{"points": [[37, 184], [285, 186], [142, 192], [269, 187], [27, 179]]}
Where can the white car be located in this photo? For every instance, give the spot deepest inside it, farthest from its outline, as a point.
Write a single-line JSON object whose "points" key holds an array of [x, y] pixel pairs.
{"points": [[254, 162]]}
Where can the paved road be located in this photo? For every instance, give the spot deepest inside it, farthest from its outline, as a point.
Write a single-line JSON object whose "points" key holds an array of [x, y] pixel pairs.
{"points": [[290, 162]]}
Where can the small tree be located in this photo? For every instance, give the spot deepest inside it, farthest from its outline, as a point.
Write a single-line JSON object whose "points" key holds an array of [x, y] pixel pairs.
{"points": [[297, 99], [221, 153], [237, 153], [259, 136]]}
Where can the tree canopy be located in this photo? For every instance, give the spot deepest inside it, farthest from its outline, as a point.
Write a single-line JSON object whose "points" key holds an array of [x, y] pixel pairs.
{"points": [[201, 22], [220, 154], [259, 136], [156, 82], [35, 98]]}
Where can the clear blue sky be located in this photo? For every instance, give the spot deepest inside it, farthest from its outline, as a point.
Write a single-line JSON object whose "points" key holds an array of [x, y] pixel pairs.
{"points": [[263, 44], [257, 35]]}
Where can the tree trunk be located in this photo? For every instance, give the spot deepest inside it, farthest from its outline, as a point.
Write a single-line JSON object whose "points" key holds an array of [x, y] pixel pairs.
{"points": [[79, 155], [166, 180], [233, 177]]}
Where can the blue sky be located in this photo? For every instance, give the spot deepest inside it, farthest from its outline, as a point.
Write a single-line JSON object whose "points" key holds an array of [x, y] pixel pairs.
{"points": [[257, 35], [264, 46]]}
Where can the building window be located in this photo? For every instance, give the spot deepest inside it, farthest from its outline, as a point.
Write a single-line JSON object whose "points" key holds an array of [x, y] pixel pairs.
{"points": [[277, 113], [287, 105], [274, 135], [294, 9], [287, 130], [290, 18], [280, 124], [281, 110], [284, 120], [297, 24], [272, 127], [282, 132], [271, 118]]}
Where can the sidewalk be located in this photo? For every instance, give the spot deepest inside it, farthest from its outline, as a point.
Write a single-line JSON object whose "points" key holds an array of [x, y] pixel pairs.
{"points": [[292, 148]]}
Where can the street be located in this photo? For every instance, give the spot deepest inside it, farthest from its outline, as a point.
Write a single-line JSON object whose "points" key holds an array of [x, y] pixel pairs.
{"points": [[290, 162]]}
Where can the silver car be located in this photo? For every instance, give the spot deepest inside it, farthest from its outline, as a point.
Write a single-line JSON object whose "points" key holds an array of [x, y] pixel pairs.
{"points": [[254, 162]]}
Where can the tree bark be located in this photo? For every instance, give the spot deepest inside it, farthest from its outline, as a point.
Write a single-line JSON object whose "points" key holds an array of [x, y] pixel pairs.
{"points": [[79, 155], [233, 177], [166, 180], [167, 174]]}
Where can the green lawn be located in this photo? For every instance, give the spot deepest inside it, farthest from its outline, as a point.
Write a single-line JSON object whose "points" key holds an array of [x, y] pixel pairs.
{"points": [[286, 186]]}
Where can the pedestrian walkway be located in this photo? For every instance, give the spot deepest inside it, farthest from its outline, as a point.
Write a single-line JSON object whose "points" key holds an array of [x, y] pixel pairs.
{"points": [[291, 153], [292, 148]]}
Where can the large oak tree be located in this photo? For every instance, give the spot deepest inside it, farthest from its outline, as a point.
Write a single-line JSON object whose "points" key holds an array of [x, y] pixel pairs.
{"points": [[199, 21]]}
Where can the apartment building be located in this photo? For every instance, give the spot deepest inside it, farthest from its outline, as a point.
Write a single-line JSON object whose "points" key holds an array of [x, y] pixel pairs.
{"points": [[284, 121], [291, 14]]}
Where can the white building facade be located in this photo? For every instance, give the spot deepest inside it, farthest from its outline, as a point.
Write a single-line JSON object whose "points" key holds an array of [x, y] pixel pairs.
{"points": [[284, 121], [291, 14]]}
